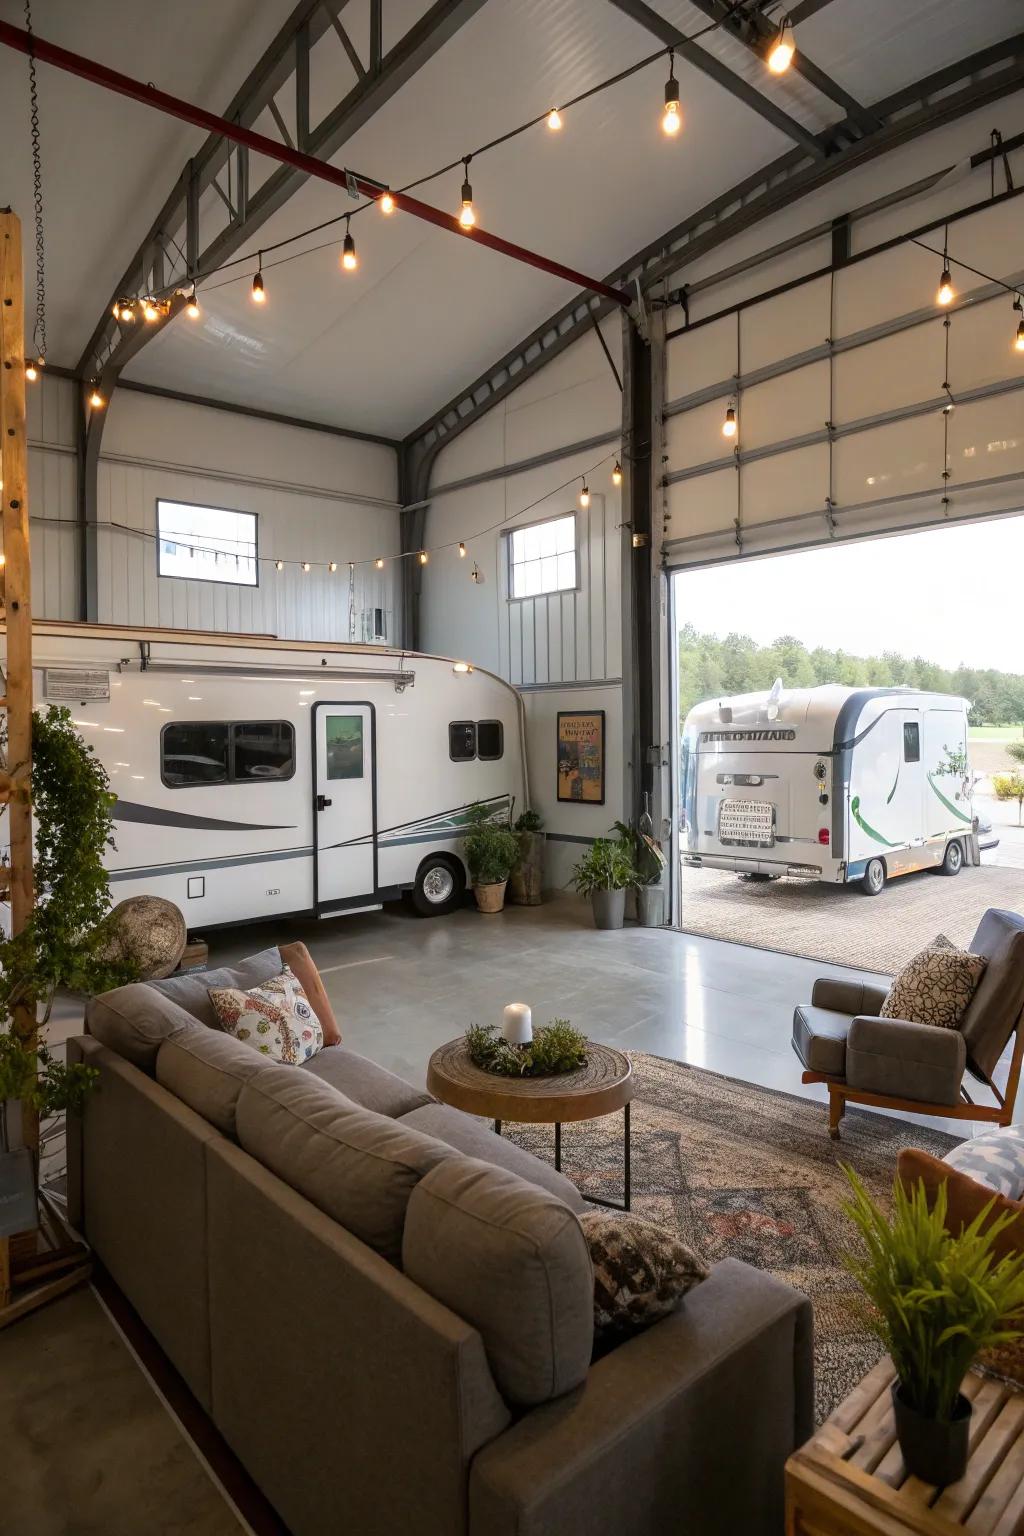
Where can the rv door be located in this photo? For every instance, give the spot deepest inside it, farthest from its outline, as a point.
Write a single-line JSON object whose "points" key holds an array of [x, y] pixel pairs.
{"points": [[344, 804]]}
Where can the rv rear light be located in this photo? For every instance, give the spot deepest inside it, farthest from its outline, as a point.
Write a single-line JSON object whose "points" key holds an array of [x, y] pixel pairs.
{"points": [[823, 837]]}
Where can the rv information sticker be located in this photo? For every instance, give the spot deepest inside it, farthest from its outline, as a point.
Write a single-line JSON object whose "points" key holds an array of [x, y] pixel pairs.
{"points": [[75, 684], [778, 734], [750, 822]]}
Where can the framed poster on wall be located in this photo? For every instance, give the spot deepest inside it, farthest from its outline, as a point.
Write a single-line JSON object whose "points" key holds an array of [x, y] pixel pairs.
{"points": [[581, 756]]}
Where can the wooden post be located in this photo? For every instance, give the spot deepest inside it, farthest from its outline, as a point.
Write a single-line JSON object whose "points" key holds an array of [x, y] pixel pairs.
{"points": [[17, 574]]}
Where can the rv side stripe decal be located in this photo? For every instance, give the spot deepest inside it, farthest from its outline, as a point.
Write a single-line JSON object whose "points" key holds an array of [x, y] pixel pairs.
{"points": [[948, 804], [156, 816], [858, 818], [197, 866]]}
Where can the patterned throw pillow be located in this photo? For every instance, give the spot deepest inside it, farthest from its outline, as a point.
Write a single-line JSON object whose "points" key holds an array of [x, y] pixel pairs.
{"points": [[274, 1018], [641, 1272], [994, 1158], [936, 986]]}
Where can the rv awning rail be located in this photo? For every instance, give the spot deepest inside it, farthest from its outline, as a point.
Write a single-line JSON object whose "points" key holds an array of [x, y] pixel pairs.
{"points": [[246, 669]]}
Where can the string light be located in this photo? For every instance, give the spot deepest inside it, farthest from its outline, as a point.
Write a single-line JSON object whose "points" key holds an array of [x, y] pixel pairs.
{"points": [[332, 565], [585, 495], [96, 400], [462, 551], [780, 55], [124, 311], [378, 563], [945, 294], [554, 120], [259, 293], [192, 305], [31, 371], [149, 310], [467, 213], [729, 424], [1018, 340], [386, 203], [305, 566], [671, 121], [616, 473], [423, 557], [279, 565], [349, 259]]}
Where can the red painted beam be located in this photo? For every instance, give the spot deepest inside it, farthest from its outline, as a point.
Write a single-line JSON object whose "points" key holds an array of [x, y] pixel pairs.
{"points": [[124, 85]]}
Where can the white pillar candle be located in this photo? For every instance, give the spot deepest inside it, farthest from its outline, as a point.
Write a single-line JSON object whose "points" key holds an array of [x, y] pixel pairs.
{"points": [[518, 1024]]}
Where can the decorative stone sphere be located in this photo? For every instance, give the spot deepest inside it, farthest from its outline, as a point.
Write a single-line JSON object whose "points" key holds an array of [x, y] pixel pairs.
{"points": [[150, 932]]}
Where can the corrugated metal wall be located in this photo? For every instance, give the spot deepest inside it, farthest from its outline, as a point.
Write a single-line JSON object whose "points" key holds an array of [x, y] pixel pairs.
{"points": [[53, 491]]}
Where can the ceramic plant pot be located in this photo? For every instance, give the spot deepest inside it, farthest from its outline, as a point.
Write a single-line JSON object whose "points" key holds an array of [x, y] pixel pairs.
{"points": [[933, 1450], [609, 908], [527, 878], [490, 898], [650, 906]]}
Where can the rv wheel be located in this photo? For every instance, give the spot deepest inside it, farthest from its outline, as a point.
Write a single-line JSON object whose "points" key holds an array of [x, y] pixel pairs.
{"points": [[440, 886], [953, 862], [873, 879]]}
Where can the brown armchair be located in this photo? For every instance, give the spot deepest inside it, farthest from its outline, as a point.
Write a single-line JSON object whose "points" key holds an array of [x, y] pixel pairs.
{"points": [[897, 1064]]}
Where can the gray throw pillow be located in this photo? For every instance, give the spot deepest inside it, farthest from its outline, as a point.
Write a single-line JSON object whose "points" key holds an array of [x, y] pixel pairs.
{"points": [[936, 986], [641, 1272]]}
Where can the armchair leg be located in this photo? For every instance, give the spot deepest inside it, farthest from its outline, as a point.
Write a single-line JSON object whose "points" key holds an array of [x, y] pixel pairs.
{"points": [[836, 1110]]}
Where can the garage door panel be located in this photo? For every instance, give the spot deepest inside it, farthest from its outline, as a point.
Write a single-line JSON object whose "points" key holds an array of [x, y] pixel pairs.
{"points": [[695, 436], [981, 344], [785, 326], [893, 460], [705, 504], [986, 438], [896, 371], [785, 484], [783, 408], [699, 358]]}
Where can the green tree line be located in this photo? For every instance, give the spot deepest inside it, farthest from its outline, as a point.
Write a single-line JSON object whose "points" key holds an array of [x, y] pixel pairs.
{"points": [[712, 666]]}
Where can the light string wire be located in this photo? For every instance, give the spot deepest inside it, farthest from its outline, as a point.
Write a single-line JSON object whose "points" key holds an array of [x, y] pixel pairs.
{"points": [[274, 560], [39, 329]]}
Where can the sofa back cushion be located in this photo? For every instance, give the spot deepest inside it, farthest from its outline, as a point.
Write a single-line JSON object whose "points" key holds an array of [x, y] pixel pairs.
{"points": [[357, 1167], [511, 1259], [135, 1020], [191, 990], [207, 1071], [993, 1011]]}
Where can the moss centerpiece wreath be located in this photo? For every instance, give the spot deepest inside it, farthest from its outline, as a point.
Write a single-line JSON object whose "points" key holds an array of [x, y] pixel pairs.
{"points": [[554, 1049]]}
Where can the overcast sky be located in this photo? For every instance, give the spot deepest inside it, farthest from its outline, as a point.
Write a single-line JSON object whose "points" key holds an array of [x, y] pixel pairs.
{"points": [[950, 595]]}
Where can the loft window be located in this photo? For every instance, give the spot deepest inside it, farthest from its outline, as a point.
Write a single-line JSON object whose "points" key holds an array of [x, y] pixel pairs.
{"points": [[490, 740], [198, 543], [462, 741], [542, 558], [196, 752], [911, 741]]}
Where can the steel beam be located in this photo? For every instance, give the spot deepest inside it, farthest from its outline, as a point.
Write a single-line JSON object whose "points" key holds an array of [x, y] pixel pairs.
{"points": [[711, 65]]}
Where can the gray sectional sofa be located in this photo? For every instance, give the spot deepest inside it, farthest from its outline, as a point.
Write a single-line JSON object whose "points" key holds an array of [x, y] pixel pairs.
{"points": [[387, 1310]]}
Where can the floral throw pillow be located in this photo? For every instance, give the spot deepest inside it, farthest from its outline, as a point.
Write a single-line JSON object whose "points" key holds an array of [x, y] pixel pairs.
{"points": [[274, 1018], [641, 1272], [936, 986]]}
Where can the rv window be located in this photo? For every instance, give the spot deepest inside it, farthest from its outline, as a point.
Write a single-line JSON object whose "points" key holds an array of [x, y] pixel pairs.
{"points": [[263, 751], [462, 741], [911, 741], [344, 745], [490, 740], [194, 752]]}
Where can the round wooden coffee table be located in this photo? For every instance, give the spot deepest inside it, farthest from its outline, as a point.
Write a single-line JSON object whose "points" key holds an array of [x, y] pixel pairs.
{"points": [[605, 1084]]}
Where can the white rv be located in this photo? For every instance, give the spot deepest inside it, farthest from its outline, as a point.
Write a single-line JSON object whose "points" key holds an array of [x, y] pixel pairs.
{"points": [[258, 777], [829, 783]]}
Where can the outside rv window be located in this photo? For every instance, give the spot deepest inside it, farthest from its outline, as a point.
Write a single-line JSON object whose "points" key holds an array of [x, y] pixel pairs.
{"points": [[911, 741], [214, 752], [462, 741], [490, 740], [344, 746], [542, 558], [206, 543]]}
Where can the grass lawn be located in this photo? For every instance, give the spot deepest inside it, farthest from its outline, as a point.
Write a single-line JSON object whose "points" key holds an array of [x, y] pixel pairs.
{"points": [[996, 733]]}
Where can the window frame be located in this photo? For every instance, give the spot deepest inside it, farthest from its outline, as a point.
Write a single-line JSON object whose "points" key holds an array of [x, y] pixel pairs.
{"points": [[491, 757], [230, 781], [915, 726], [209, 581], [451, 756], [508, 533]]}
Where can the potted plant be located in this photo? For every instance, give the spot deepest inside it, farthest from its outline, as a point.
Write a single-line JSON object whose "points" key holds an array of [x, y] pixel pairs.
{"points": [[938, 1299], [649, 863], [528, 872], [491, 850], [604, 873]]}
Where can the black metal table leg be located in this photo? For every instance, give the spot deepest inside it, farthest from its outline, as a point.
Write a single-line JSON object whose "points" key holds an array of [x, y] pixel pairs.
{"points": [[497, 1127], [625, 1203], [558, 1146]]}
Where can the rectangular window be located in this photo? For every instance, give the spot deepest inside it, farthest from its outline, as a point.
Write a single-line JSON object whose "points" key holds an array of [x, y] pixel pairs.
{"points": [[206, 544], [490, 740], [462, 741], [218, 752], [542, 558], [911, 742], [344, 746]]}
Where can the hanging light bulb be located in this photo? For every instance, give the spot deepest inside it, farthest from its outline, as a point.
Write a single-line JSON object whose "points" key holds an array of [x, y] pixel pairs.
{"points": [[192, 305], [124, 312], [462, 551], [584, 495], [467, 213], [332, 565], [386, 203], [305, 566], [279, 565], [379, 563], [780, 54], [96, 400], [259, 293], [672, 119], [1018, 340], [31, 371], [423, 557], [349, 259], [729, 424], [554, 120], [149, 310], [945, 294], [616, 473]]}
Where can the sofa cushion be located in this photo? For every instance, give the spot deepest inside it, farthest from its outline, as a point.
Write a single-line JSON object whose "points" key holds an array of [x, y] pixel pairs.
{"points": [[207, 1071], [512, 1260], [298, 957], [365, 1083], [477, 1139], [357, 1167], [135, 1020], [191, 990], [935, 987], [819, 1039], [965, 1197], [276, 1018], [993, 1158], [641, 1272], [996, 1005]]}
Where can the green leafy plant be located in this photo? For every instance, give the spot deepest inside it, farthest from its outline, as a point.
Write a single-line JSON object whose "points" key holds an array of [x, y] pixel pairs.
{"points": [[555, 1048], [646, 855], [606, 866], [530, 821], [1015, 751], [937, 1299], [62, 944], [1010, 786], [492, 848]]}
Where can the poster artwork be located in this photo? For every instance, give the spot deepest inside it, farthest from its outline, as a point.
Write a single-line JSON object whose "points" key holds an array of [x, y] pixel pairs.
{"points": [[581, 756]]}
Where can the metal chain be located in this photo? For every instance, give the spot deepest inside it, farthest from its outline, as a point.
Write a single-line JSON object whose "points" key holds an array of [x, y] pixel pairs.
{"points": [[39, 329]]}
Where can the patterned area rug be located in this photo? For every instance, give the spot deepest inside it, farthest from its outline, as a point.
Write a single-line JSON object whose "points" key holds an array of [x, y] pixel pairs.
{"points": [[744, 1171]]}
